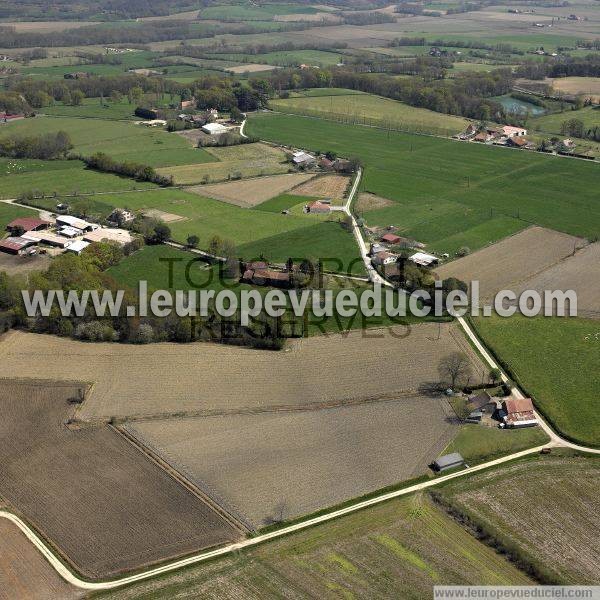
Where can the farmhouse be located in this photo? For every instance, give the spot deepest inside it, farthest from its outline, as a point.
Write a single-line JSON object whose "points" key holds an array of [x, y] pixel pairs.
{"points": [[481, 402], [424, 260], [16, 245], [214, 128], [342, 165], [77, 247], [317, 207], [27, 224], [266, 277], [119, 216], [510, 132], [325, 163], [448, 461], [384, 258], [518, 142], [518, 412]]}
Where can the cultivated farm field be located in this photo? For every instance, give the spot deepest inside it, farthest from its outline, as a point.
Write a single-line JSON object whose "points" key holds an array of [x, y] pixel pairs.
{"points": [[330, 370], [506, 264], [25, 573], [252, 192], [442, 188], [325, 186], [401, 549], [298, 462], [65, 482], [581, 86], [546, 508]]}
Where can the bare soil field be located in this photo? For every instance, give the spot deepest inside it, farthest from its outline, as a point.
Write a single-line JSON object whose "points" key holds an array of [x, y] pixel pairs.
{"points": [[507, 264], [367, 201], [580, 273], [46, 26], [23, 264], [265, 467], [325, 186], [548, 508], [155, 213], [204, 379], [91, 493], [25, 573], [250, 192], [251, 68]]}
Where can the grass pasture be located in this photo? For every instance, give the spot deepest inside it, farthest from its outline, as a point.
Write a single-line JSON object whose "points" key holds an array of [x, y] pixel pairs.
{"points": [[8, 212], [553, 359], [121, 140], [401, 549], [371, 110], [92, 108], [543, 509], [590, 115], [442, 188]]}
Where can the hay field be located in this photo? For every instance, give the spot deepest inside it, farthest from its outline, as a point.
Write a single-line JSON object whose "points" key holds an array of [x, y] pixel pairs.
{"points": [[251, 68], [399, 549], [367, 201], [580, 273], [369, 109], [90, 492], [251, 192], [298, 462], [204, 378], [246, 160], [515, 259], [580, 86], [548, 508], [25, 573], [325, 186]]}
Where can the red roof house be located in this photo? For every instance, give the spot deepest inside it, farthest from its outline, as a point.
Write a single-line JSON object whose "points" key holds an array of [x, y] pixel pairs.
{"points": [[519, 412]]}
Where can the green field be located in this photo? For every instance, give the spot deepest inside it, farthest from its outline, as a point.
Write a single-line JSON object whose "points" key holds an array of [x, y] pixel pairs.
{"points": [[121, 140], [326, 240], [555, 360], [543, 511], [552, 123], [9, 212], [92, 108], [446, 192], [478, 443], [60, 177], [400, 549], [372, 110]]}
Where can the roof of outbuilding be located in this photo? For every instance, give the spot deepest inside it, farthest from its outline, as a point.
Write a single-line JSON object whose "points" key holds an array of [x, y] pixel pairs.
{"points": [[27, 223]]}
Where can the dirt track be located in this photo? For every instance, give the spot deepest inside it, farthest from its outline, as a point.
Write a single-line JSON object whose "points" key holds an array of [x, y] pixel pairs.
{"points": [[206, 378]]}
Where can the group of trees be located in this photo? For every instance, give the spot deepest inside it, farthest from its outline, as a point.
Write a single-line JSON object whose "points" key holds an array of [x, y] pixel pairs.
{"points": [[47, 146], [140, 172], [577, 128]]}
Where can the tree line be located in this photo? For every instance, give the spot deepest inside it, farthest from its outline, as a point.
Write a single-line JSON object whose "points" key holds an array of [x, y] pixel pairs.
{"points": [[103, 162], [47, 146]]}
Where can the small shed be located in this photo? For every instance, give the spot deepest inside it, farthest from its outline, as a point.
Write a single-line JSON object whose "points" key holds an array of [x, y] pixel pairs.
{"points": [[448, 461], [424, 260], [214, 128]]}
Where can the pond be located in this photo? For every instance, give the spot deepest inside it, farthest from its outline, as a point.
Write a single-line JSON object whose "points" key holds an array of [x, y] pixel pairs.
{"points": [[514, 105]]}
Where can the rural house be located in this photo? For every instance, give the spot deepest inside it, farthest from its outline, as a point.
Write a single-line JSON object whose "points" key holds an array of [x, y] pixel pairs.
{"points": [[384, 258], [518, 412], [27, 224], [510, 132], [119, 216], [267, 277], [317, 208]]}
